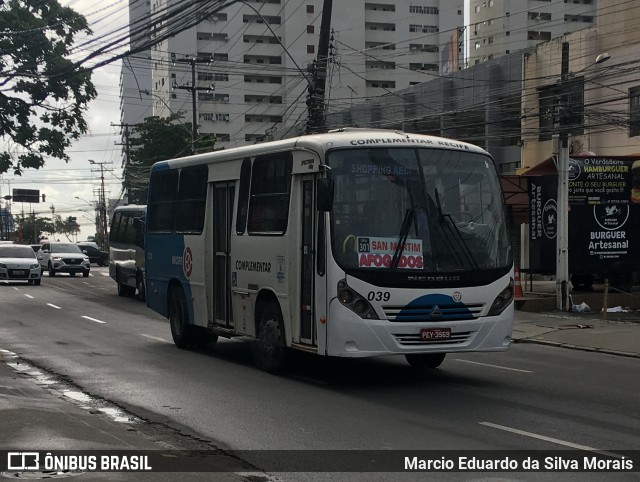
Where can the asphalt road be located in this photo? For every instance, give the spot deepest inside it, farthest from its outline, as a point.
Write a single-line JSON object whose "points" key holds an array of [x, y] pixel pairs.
{"points": [[529, 398]]}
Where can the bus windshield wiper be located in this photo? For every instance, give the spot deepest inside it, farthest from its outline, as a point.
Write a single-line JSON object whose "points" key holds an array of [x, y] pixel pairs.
{"points": [[456, 234], [402, 239]]}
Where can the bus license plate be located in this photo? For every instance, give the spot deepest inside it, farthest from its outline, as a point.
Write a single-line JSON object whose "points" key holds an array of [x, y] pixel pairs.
{"points": [[435, 333]]}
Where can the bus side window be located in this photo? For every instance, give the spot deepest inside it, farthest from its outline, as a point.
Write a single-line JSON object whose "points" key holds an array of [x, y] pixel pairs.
{"points": [[270, 193], [243, 196], [162, 198], [192, 199], [115, 225]]}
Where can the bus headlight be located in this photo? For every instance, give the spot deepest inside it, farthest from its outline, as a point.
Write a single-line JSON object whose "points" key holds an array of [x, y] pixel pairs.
{"points": [[356, 303], [502, 300]]}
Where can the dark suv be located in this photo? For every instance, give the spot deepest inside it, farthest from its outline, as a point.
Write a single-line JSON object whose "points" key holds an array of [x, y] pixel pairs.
{"points": [[101, 258]]}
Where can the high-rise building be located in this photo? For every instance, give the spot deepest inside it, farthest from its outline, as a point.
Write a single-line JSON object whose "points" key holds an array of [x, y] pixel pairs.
{"points": [[135, 73], [497, 27], [252, 62]]}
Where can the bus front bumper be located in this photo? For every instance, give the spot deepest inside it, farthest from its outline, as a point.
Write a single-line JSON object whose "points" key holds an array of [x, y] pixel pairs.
{"points": [[348, 335]]}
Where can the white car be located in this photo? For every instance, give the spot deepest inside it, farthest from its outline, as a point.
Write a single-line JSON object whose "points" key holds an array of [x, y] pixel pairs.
{"points": [[58, 257], [18, 262]]}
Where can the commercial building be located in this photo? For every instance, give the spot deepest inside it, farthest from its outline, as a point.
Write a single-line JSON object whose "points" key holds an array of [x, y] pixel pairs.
{"points": [[499, 27], [252, 61]]}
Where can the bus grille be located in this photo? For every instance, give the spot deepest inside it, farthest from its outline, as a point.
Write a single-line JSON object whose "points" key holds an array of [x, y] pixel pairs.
{"points": [[415, 340], [433, 313]]}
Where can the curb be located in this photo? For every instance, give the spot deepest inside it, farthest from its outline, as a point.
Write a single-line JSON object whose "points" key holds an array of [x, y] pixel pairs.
{"points": [[577, 347]]}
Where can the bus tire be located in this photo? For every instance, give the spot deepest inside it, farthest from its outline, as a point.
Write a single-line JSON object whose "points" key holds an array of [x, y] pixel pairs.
{"points": [[141, 290], [181, 331], [425, 360], [269, 348]]}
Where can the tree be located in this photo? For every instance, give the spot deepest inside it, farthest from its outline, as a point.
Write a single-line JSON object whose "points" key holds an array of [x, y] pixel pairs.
{"points": [[157, 139], [43, 95], [30, 227], [68, 226]]}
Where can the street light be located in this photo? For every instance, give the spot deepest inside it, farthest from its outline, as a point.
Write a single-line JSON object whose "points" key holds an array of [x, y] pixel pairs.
{"points": [[563, 292]]}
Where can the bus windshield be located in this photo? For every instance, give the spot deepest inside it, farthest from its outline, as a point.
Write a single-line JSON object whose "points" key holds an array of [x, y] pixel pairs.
{"points": [[412, 209]]}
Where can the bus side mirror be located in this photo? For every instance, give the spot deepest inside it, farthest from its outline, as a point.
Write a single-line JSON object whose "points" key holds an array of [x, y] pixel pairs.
{"points": [[325, 194]]}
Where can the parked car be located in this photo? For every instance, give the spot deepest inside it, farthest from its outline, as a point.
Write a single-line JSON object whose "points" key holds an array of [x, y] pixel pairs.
{"points": [[18, 262], [58, 257], [96, 255]]}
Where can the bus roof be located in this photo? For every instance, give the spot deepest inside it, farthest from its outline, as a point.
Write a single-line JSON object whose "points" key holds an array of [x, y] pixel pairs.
{"points": [[131, 207], [344, 137]]}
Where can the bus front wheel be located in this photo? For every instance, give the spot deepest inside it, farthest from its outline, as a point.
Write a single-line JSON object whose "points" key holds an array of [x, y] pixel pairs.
{"points": [[425, 360], [269, 347]]}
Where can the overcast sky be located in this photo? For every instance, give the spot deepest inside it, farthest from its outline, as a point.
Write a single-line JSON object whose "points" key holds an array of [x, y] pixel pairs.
{"points": [[62, 182]]}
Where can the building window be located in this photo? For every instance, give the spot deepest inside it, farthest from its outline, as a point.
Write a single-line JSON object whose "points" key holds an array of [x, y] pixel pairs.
{"points": [[634, 111], [310, 49], [310, 29], [423, 10], [309, 8], [541, 36]]}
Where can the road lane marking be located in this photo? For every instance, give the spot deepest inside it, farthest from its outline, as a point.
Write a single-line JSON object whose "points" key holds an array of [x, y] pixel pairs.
{"points": [[85, 282], [493, 366], [93, 319], [28, 296], [155, 338], [551, 439], [54, 306], [15, 288]]}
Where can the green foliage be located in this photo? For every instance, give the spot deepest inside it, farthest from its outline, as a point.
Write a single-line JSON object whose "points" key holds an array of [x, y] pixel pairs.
{"points": [[31, 227], [157, 139], [43, 97], [67, 226]]}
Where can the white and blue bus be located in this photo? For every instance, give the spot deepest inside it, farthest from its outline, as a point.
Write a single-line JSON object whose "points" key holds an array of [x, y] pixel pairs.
{"points": [[353, 243]]}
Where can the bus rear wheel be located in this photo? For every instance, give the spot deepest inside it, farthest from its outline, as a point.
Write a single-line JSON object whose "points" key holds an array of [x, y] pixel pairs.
{"points": [[425, 360], [181, 331], [142, 296], [269, 348]]}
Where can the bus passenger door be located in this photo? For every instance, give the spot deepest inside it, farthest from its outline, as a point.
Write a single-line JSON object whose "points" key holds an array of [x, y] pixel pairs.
{"points": [[223, 196], [307, 256]]}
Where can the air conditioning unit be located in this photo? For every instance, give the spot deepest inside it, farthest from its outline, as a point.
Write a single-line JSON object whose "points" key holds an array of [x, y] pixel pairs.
{"points": [[225, 98], [226, 117]]}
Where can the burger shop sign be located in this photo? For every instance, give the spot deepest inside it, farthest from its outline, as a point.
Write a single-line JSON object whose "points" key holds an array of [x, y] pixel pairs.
{"points": [[604, 214]]}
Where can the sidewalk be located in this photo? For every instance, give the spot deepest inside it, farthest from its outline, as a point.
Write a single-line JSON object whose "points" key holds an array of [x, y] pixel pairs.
{"points": [[618, 335], [538, 321]]}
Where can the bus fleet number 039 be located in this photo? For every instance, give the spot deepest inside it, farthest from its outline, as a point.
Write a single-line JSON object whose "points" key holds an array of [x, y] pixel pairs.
{"points": [[378, 296]]}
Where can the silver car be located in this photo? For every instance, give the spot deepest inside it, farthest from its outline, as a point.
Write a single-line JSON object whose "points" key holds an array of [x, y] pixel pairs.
{"points": [[58, 257], [18, 262]]}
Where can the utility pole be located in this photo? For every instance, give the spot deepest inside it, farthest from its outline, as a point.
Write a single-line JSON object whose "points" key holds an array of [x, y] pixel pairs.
{"points": [[317, 116], [127, 152], [102, 201], [563, 295], [193, 88]]}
